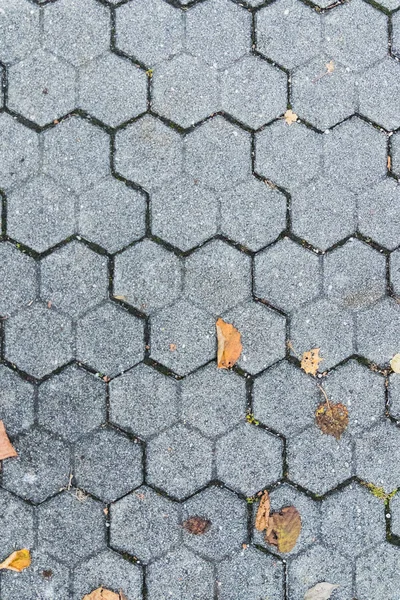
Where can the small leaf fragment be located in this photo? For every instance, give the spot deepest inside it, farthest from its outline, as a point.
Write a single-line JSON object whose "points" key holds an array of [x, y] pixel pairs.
{"points": [[330, 66], [229, 344], [263, 511], [17, 561], [197, 525], [395, 363], [310, 361], [321, 591], [332, 419], [6, 448], [103, 594], [284, 528], [290, 117]]}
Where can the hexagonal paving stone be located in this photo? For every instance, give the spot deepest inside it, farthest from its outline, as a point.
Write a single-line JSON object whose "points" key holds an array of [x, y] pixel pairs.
{"points": [[110, 570], [378, 87], [323, 212], [16, 522], [361, 390], [396, 34], [148, 152], [395, 514], [112, 89], [394, 396], [331, 460], [184, 213], [355, 35], [16, 401], [110, 339], [71, 528], [38, 340], [395, 271], [51, 88], [286, 495], [228, 530], [376, 456], [147, 276], [378, 331], [19, 156], [143, 401], [108, 464], [254, 92], [19, 29], [258, 459], [267, 576], [145, 524], [75, 31], [115, 224], [179, 461], [320, 564], [185, 90], [323, 97], [323, 325], [355, 153], [72, 403], [353, 520], [253, 214], [74, 279], [378, 213], [76, 153], [218, 32], [287, 275], [288, 33], [180, 573], [217, 277], [149, 32], [41, 469], [374, 573], [218, 154], [263, 335], [285, 399], [354, 275], [213, 400], [182, 337], [289, 155], [18, 277]]}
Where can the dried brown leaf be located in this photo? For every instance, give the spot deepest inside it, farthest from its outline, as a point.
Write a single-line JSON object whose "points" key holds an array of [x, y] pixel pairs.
{"points": [[395, 363], [6, 448], [17, 561], [263, 511], [197, 525], [310, 361], [290, 117], [103, 594], [284, 528], [321, 591], [229, 344], [332, 419]]}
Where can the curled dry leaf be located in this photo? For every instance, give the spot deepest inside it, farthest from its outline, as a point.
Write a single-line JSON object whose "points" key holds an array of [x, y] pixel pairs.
{"points": [[263, 511], [321, 591], [395, 363], [290, 117], [17, 561], [6, 448], [332, 419], [229, 344], [310, 361], [284, 528], [103, 594], [197, 525]]}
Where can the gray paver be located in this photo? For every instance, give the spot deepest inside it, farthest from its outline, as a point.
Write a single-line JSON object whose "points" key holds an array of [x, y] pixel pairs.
{"points": [[396, 34], [144, 524], [38, 340], [74, 279], [395, 514], [253, 214], [108, 464], [378, 330], [19, 29], [213, 400], [112, 224], [218, 31], [18, 277], [323, 212], [378, 87], [258, 459], [375, 456], [18, 152], [395, 271], [374, 572], [16, 402], [378, 213], [41, 468], [289, 155], [51, 88], [185, 90], [143, 401], [218, 154], [179, 461], [254, 92], [394, 396], [110, 339], [16, 523], [72, 403], [228, 530], [147, 276]]}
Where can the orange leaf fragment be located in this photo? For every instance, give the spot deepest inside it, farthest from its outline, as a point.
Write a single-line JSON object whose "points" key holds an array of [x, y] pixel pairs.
{"points": [[17, 561], [263, 511], [103, 594], [284, 528], [290, 117], [197, 525], [229, 344], [310, 361], [6, 448]]}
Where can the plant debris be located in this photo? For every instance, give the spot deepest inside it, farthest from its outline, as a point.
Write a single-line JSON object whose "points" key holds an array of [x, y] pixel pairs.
{"points": [[6, 448], [395, 363], [197, 525], [290, 117], [17, 561], [103, 594], [321, 591], [310, 361], [263, 511], [284, 528], [229, 344], [332, 419]]}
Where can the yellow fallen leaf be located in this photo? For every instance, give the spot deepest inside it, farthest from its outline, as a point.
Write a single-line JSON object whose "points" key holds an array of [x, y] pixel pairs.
{"points": [[395, 363], [229, 344], [284, 528], [310, 361], [6, 448], [17, 561], [103, 594], [290, 117], [263, 511]]}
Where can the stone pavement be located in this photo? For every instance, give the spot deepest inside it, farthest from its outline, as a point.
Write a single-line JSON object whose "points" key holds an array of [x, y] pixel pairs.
{"points": [[150, 184]]}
